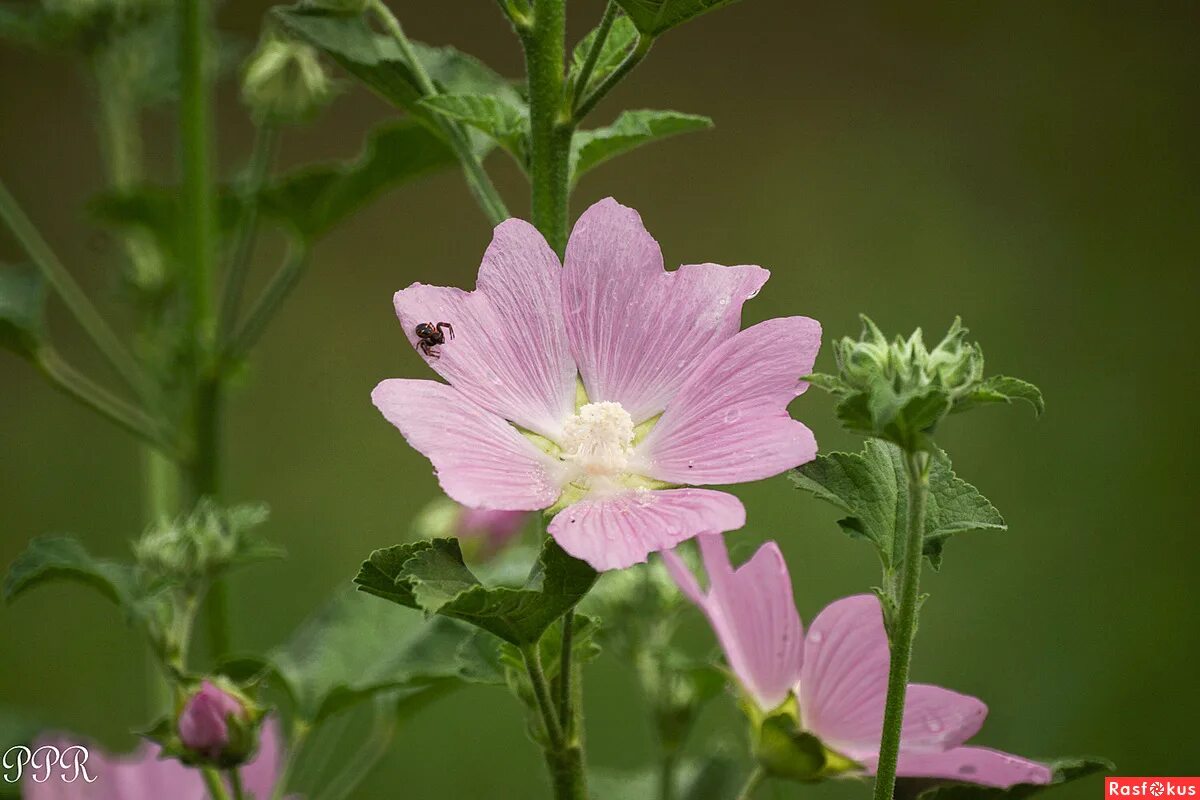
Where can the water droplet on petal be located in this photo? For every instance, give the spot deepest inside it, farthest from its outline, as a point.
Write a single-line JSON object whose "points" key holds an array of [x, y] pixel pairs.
{"points": [[815, 637]]}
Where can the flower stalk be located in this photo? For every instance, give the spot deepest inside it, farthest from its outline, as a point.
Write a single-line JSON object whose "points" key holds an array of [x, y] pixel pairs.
{"points": [[903, 628], [551, 125]]}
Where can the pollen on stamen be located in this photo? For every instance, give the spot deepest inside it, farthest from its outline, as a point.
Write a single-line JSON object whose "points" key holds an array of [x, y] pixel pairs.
{"points": [[599, 438]]}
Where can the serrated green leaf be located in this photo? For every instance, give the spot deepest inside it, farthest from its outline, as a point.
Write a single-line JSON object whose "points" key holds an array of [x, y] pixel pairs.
{"points": [[502, 120], [431, 575], [621, 38], [631, 130], [22, 309], [354, 648], [1064, 770], [872, 486], [656, 16], [314, 199], [1003, 389], [50, 558]]}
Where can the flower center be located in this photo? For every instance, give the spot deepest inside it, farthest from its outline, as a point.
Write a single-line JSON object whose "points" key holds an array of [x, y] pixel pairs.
{"points": [[599, 439]]}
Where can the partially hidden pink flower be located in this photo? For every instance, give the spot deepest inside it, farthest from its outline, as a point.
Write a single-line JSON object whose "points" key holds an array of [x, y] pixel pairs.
{"points": [[603, 388], [492, 529], [838, 673], [204, 721], [144, 774]]}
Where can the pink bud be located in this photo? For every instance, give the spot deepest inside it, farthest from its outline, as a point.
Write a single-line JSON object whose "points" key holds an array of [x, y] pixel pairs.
{"points": [[490, 528], [204, 723]]}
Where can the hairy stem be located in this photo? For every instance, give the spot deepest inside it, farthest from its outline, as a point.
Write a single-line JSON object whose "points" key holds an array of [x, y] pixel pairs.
{"points": [[477, 178], [73, 296], [903, 629], [565, 712], [550, 122], [235, 784]]}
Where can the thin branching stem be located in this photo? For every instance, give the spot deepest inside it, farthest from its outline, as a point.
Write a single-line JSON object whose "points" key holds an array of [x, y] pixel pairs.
{"points": [[593, 55], [266, 145], [481, 184], [639, 51], [74, 383], [279, 287], [73, 296]]}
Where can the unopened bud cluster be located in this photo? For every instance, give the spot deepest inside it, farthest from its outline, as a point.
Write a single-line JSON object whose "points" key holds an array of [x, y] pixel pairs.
{"points": [[199, 544], [907, 366]]}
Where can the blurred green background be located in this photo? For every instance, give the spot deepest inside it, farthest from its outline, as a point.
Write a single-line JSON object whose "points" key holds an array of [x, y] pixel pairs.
{"points": [[1031, 166]]}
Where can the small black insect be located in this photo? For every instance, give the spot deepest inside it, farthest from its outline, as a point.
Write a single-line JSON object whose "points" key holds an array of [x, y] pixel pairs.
{"points": [[431, 336]]}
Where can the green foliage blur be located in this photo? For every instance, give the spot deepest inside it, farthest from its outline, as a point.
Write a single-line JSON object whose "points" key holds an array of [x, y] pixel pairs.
{"points": [[1028, 166]]}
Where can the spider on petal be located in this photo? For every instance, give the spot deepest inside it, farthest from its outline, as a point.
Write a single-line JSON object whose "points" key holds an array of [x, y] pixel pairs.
{"points": [[430, 335]]}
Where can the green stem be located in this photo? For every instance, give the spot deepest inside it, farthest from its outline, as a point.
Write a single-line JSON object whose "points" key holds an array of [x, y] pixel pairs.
{"points": [[279, 287], [550, 124], [904, 627], [235, 783], [266, 145], [541, 693], [379, 740], [589, 62], [74, 383], [477, 178], [564, 756], [565, 712], [752, 783], [73, 296], [212, 779], [666, 773], [634, 58], [195, 140], [300, 733]]}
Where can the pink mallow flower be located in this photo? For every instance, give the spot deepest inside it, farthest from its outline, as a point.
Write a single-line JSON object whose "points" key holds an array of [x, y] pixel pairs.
{"points": [[144, 774], [603, 388], [204, 721], [838, 673]]}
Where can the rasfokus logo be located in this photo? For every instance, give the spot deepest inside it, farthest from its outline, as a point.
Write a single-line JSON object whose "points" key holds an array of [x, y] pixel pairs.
{"points": [[1151, 787]]}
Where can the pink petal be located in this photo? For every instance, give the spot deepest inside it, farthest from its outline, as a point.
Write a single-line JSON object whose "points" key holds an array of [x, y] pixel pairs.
{"points": [[753, 615], [261, 773], [729, 421], [939, 719], [141, 775], [480, 460], [621, 530], [980, 765], [843, 685], [636, 330], [509, 353]]}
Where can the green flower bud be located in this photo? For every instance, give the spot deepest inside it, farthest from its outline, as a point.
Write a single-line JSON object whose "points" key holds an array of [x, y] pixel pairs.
{"points": [[285, 82], [200, 544]]}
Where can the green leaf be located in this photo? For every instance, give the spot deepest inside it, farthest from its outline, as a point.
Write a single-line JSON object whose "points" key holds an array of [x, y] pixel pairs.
{"points": [[431, 575], [22, 309], [1064, 770], [631, 130], [314, 199], [872, 486], [622, 37], [655, 16], [354, 648], [50, 558], [376, 60], [502, 120], [1003, 389]]}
